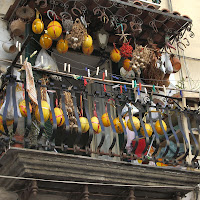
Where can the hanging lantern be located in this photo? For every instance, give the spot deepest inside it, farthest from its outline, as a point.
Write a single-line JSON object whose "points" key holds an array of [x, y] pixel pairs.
{"points": [[45, 41], [158, 127], [38, 25], [118, 125], [88, 51], [84, 124], [60, 119], [87, 42], [22, 108], [105, 120], [148, 129], [45, 111], [96, 125], [136, 123], [115, 55], [62, 46], [127, 65], [54, 29]]}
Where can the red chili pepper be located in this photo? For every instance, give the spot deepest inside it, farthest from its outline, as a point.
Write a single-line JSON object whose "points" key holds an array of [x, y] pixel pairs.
{"points": [[104, 88], [85, 82], [121, 89]]}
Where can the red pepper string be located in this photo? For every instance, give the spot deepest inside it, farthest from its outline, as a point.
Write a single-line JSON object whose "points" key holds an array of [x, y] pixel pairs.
{"points": [[104, 88], [85, 82], [103, 76], [56, 102], [121, 89], [106, 108], [115, 48], [95, 109], [140, 86], [126, 50], [81, 105]]}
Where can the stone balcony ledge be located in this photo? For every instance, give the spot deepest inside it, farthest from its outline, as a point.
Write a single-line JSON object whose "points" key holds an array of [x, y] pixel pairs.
{"points": [[147, 179]]}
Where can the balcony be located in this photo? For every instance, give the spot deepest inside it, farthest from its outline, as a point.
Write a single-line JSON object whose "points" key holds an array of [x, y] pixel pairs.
{"points": [[63, 154]]}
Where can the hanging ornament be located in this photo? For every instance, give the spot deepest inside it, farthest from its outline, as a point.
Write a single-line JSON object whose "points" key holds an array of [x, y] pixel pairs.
{"points": [[105, 120], [77, 35], [118, 125], [136, 123], [128, 76], [148, 129], [45, 41], [87, 42], [62, 46], [158, 127], [84, 124], [67, 21], [126, 65], [115, 55], [22, 108], [60, 119], [54, 29], [88, 51], [38, 25], [96, 125], [126, 50], [45, 111]]}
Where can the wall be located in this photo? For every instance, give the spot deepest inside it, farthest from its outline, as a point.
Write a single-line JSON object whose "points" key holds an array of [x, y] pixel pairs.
{"points": [[192, 56], [190, 66]]}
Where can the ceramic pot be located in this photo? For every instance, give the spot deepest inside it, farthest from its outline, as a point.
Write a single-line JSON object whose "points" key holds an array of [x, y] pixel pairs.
{"points": [[166, 81], [175, 63], [19, 138], [138, 3], [151, 6], [9, 47], [17, 27]]}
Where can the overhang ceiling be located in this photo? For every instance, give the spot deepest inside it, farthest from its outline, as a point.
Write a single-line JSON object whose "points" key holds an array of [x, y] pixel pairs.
{"points": [[154, 24]]}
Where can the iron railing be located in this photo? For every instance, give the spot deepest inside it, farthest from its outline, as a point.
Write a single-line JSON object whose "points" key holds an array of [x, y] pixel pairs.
{"points": [[124, 97]]}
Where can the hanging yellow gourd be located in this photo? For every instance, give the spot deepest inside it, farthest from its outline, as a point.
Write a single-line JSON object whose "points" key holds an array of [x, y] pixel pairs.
{"points": [[136, 122], [148, 129], [87, 42], [115, 55], [96, 125], [62, 46], [118, 125], [54, 29], [38, 25], [60, 119], [84, 124], [8, 122], [88, 51], [22, 108], [45, 111], [158, 127], [105, 120], [127, 65], [45, 41]]}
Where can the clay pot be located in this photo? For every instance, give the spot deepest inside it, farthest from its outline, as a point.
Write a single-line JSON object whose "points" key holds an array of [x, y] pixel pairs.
{"points": [[176, 13], [19, 138], [175, 63], [9, 47], [138, 3], [151, 6], [166, 81], [17, 27]]}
